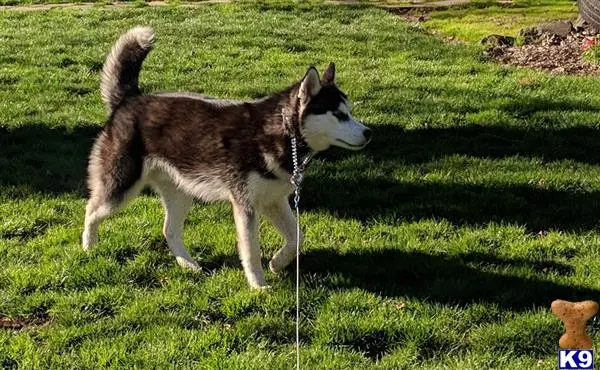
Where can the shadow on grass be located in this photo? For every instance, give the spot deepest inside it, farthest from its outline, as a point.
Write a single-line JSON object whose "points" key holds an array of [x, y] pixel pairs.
{"points": [[42, 159], [380, 199], [393, 143], [449, 280], [53, 161], [376, 197]]}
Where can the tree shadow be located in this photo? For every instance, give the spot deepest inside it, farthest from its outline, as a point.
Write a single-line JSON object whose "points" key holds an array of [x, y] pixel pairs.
{"points": [[394, 143], [459, 10], [351, 194], [42, 159], [537, 209], [450, 280], [53, 160]]}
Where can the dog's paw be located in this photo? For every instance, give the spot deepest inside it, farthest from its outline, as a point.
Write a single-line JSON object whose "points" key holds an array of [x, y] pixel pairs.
{"points": [[258, 284], [188, 264], [262, 288], [276, 266], [88, 240], [282, 259], [273, 267]]}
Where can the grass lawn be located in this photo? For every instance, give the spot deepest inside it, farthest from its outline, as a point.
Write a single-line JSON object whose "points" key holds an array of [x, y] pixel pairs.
{"points": [[441, 245], [485, 17]]}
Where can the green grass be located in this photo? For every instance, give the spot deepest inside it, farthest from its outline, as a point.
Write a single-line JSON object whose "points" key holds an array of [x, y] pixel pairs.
{"points": [[483, 18], [139, 3], [441, 245], [592, 54]]}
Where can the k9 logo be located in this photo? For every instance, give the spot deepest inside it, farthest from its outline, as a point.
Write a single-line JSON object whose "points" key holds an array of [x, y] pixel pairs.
{"points": [[575, 359]]}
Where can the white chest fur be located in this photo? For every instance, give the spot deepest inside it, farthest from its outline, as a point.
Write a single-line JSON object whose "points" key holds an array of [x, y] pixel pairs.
{"points": [[264, 192]]}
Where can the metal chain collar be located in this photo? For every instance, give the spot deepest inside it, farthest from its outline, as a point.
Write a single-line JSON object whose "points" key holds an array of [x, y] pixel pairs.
{"points": [[298, 173]]}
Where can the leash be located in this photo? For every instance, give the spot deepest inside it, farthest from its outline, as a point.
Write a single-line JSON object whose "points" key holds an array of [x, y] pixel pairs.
{"points": [[296, 180]]}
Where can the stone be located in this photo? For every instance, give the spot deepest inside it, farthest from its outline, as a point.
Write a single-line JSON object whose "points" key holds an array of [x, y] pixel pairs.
{"points": [[498, 40], [530, 35], [558, 29]]}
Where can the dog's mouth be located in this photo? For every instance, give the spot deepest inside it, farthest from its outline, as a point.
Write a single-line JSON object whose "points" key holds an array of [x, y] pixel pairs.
{"points": [[352, 146]]}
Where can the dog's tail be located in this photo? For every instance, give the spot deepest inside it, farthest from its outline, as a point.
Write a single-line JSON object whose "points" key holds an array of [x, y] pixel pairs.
{"points": [[122, 67]]}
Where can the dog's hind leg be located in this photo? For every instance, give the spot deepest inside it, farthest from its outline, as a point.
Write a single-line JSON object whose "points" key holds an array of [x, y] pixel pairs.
{"points": [[246, 224], [101, 206], [177, 205], [114, 178], [282, 217], [96, 210]]}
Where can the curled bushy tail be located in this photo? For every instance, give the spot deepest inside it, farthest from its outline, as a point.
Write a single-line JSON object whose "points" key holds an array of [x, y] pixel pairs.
{"points": [[122, 67]]}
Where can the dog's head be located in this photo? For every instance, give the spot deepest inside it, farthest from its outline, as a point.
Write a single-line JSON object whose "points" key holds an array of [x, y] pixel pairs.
{"points": [[326, 116]]}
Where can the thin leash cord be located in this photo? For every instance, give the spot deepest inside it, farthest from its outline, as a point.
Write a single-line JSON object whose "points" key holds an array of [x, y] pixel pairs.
{"points": [[296, 177], [296, 180], [298, 290]]}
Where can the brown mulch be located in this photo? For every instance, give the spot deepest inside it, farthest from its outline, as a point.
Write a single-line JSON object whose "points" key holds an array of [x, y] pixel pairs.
{"points": [[551, 54], [23, 322]]}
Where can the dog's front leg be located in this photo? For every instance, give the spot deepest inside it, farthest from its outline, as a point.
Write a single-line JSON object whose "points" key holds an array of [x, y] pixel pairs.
{"points": [[246, 225], [282, 217]]}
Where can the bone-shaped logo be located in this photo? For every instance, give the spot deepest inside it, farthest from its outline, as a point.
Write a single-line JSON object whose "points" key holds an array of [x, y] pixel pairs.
{"points": [[575, 315]]}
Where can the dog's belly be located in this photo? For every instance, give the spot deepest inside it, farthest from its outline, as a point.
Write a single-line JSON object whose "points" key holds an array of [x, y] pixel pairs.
{"points": [[208, 190], [262, 192], [204, 187]]}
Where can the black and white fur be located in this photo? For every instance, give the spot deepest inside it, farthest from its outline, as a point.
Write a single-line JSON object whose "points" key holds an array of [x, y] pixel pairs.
{"points": [[187, 146]]}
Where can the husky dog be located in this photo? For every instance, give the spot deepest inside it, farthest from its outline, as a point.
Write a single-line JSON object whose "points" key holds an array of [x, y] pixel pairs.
{"points": [[186, 146]]}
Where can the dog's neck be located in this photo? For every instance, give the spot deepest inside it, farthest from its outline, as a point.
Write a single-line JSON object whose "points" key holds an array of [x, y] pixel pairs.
{"points": [[282, 114], [291, 114]]}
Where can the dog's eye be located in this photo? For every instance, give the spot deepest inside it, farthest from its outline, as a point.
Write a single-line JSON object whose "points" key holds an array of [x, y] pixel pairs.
{"points": [[340, 115]]}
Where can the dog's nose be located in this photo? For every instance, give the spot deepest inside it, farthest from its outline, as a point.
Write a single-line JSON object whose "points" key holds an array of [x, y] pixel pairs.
{"points": [[368, 134]]}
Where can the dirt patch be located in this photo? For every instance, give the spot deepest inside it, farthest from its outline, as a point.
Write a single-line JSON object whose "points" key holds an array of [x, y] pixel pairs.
{"points": [[26, 233], [411, 14], [400, 9], [24, 322], [116, 4], [419, 8], [565, 57], [554, 52]]}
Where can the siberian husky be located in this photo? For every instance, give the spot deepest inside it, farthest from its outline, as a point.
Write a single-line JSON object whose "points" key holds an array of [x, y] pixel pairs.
{"points": [[186, 146]]}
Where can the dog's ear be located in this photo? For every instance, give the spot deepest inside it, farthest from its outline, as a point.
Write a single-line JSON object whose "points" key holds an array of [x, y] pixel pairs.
{"points": [[310, 86], [329, 75]]}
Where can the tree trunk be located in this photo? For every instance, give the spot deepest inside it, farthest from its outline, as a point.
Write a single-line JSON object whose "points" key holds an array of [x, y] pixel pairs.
{"points": [[590, 12]]}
